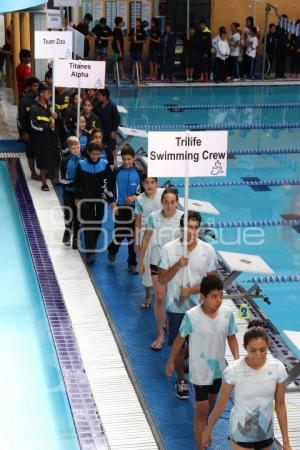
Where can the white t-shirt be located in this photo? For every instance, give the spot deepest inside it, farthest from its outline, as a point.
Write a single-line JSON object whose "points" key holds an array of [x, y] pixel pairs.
{"points": [[235, 41], [164, 231], [223, 49], [251, 418], [207, 342], [252, 43], [202, 260], [146, 205]]}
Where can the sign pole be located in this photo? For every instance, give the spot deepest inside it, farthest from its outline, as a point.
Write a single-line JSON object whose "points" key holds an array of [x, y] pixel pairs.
{"points": [[53, 85], [78, 108]]}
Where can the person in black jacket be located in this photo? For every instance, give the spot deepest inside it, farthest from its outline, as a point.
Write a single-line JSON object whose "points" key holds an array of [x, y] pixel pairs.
{"points": [[92, 121], [283, 44], [271, 48], [70, 115], [23, 121], [168, 45], [190, 52], [68, 170], [204, 51], [295, 54], [43, 137], [93, 188], [109, 118]]}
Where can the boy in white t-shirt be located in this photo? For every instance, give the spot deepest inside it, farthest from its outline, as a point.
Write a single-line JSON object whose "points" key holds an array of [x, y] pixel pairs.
{"points": [[222, 53], [146, 203], [182, 276], [208, 326], [250, 54], [234, 44]]}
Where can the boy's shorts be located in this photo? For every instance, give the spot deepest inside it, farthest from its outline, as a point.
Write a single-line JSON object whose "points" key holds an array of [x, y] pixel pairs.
{"points": [[101, 52], [175, 320], [201, 392]]}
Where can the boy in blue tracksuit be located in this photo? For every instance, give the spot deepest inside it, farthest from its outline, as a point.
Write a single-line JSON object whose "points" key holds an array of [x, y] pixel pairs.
{"points": [[127, 185], [68, 169], [94, 185]]}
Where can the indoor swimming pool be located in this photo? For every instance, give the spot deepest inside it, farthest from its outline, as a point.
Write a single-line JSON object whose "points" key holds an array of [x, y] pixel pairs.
{"points": [[35, 412]]}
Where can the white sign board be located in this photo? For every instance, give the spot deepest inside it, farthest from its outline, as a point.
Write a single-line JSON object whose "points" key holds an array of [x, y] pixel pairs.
{"points": [[52, 44], [54, 19], [187, 154], [75, 73], [58, 3], [77, 42]]}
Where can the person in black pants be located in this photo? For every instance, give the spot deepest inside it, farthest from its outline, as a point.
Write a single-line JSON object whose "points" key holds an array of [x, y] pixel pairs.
{"points": [[283, 43], [295, 54], [93, 188], [127, 184], [68, 169], [109, 118], [271, 48]]}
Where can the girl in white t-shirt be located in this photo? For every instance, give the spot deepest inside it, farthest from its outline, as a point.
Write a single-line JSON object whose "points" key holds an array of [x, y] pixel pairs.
{"points": [[250, 54], [146, 203], [257, 379], [162, 227]]}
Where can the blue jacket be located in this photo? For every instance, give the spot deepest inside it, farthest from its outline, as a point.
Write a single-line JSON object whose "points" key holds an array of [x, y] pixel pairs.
{"points": [[68, 170], [127, 183], [94, 180]]}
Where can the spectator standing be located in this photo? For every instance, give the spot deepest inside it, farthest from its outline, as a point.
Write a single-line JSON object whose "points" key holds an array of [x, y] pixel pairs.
{"points": [[222, 53], [283, 44], [271, 48], [23, 70], [103, 35], [295, 54], [154, 49], [83, 28], [118, 47], [204, 51], [234, 44], [109, 118], [190, 48], [250, 54], [168, 45], [137, 38]]}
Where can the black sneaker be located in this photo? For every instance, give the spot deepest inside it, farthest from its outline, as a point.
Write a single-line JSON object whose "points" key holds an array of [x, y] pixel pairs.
{"points": [[67, 238], [74, 244], [111, 257], [182, 390]]}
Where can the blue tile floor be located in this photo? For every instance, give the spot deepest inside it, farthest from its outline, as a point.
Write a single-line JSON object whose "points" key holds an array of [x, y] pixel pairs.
{"points": [[122, 293]]}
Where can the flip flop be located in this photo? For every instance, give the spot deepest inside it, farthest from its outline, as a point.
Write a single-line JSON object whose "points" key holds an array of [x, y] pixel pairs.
{"points": [[145, 305], [156, 347]]}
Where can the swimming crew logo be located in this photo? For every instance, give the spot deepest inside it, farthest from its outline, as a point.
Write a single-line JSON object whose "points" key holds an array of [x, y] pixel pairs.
{"points": [[98, 84], [217, 168]]}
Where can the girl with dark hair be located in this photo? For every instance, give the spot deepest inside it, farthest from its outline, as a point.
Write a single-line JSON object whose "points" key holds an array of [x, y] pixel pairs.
{"points": [[162, 227], [257, 379]]}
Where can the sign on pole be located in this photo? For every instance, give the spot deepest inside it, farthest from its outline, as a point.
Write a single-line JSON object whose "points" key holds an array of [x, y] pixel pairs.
{"points": [[187, 154], [87, 74], [58, 3], [52, 44], [190, 153], [54, 19], [78, 42]]}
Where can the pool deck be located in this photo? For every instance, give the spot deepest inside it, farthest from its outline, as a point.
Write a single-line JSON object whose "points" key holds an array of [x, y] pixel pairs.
{"points": [[125, 417]]}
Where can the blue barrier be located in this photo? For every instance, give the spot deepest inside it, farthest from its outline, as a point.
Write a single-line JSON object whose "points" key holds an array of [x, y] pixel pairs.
{"points": [[295, 182], [276, 279], [203, 127], [210, 106], [255, 223]]}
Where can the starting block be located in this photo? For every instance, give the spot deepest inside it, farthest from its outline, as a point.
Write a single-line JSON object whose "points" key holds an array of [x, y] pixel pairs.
{"points": [[128, 134]]}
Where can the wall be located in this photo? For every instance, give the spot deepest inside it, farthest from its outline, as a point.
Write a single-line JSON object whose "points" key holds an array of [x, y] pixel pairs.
{"points": [[224, 12]]}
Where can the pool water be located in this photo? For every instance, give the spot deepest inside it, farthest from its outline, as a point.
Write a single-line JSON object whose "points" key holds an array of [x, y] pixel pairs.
{"points": [[35, 413], [278, 246]]}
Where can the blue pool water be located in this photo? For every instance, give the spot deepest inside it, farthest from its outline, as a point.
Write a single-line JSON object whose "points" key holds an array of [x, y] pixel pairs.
{"points": [[279, 246], [35, 413]]}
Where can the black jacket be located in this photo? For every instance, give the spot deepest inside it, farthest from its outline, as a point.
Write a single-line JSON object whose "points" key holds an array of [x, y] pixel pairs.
{"points": [[92, 122], [23, 119], [109, 118], [70, 119], [94, 180]]}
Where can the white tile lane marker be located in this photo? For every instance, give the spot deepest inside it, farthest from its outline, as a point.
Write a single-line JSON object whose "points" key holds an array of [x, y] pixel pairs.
{"points": [[115, 397]]}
